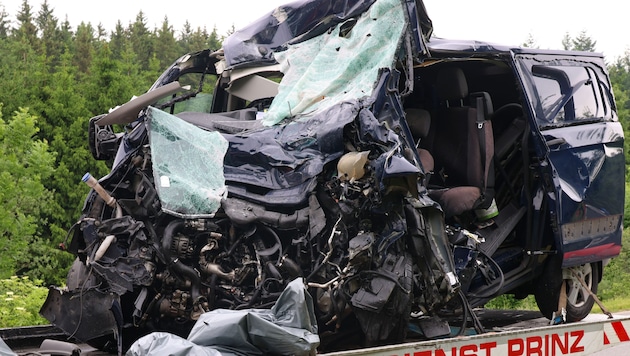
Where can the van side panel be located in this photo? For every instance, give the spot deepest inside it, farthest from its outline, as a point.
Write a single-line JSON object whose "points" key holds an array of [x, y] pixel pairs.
{"points": [[588, 177]]}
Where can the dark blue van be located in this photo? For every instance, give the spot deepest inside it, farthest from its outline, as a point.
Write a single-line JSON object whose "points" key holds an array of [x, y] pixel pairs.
{"points": [[402, 177]]}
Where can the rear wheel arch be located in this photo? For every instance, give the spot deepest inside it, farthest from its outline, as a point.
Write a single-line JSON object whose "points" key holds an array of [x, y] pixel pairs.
{"points": [[579, 300]]}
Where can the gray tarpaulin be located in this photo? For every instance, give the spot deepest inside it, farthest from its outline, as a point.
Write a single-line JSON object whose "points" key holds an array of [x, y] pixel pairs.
{"points": [[5, 350], [288, 328]]}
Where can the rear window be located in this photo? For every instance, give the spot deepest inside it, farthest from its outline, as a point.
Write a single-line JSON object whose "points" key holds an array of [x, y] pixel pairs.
{"points": [[568, 90]]}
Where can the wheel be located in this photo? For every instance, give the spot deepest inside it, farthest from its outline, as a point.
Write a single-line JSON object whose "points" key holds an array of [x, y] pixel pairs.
{"points": [[579, 300]]}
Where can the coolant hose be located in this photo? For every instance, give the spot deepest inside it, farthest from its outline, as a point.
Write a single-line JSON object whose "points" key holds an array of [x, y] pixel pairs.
{"points": [[290, 267], [189, 273], [167, 238], [175, 264]]}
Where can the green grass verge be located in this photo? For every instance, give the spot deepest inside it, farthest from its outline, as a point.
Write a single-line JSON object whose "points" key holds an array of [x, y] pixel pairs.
{"points": [[614, 305], [20, 301]]}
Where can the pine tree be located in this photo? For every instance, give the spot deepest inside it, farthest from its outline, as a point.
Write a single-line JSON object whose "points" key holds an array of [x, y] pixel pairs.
{"points": [[66, 35], [84, 42], [530, 42], [214, 41], [110, 82], [51, 35], [26, 30], [567, 43], [65, 116], [141, 40], [119, 38], [198, 40], [19, 62], [184, 40], [4, 23], [166, 49], [583, 42]]}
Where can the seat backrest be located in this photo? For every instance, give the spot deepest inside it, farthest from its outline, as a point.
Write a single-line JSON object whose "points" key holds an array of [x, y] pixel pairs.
{"points": [[463, 145], [419, 122]]}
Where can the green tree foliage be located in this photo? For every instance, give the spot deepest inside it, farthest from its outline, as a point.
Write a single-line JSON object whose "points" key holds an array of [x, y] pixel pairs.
{"points": [[583, 42], [111, 82], [214, 40], [196, 40], [51, 35], [166, 48], [64, 124], [64, 77], [4, 23], [26, 31], [118, 40], [27, 163], [17, 59], [620, 78], [84, 42], [141, 40], [530, 42]]}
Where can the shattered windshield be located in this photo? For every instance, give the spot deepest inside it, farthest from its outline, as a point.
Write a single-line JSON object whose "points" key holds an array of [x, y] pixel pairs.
{"points": [[187, 165], [317, 71], [567, 91]]}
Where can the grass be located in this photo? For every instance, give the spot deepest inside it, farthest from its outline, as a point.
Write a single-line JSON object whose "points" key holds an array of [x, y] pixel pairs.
{"points": [[614, 305], [20, 301]]}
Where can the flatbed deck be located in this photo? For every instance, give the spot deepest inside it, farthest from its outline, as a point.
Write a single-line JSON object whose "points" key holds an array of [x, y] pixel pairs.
{"points": [[508, 332]]}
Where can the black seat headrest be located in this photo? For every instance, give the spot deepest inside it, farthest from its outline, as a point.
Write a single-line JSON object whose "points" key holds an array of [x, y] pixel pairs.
{"points": [[419, 121], [452, 84]]}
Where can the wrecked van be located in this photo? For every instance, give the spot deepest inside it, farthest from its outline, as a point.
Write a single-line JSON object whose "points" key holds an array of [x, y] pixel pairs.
{"points": [[402, 177]]}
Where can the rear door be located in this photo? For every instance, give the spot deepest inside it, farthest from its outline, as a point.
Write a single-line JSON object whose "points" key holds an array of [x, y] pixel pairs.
{"points": [[579, 143]]}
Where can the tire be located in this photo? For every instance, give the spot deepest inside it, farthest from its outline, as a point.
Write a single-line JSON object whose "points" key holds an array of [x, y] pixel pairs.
{"points": [[579, 300]]}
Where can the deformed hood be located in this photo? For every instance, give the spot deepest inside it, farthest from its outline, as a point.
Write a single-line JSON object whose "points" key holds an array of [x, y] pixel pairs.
{"points": [[304, 19]]}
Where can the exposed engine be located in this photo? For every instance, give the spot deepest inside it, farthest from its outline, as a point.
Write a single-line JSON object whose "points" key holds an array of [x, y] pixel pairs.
{"points": [[354, 248]]}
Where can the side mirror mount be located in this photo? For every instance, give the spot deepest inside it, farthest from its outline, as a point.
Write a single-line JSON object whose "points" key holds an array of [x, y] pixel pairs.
{"points": [[102, 140]]}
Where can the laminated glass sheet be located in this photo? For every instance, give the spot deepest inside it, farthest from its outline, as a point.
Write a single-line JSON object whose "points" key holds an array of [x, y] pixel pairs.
{"points": [[337, 66], [187, 165]]}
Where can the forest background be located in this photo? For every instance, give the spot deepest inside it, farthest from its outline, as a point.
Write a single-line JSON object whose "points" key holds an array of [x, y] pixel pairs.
{"points": [[55, 78]]}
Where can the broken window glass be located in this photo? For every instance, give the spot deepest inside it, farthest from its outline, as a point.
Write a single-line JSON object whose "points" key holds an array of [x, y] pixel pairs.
{"points": [[317, 71], [187, 165]]}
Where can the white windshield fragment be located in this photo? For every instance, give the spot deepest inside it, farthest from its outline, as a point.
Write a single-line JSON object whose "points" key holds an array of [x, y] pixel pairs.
{"points": [[337, 67], [187, 165]]}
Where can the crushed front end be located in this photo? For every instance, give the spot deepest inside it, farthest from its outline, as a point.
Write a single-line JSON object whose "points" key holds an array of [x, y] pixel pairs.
{"points": [[221, 210]]}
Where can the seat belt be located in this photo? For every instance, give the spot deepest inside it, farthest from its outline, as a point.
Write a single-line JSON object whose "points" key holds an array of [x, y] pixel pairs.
{"points": [[481, 132]]}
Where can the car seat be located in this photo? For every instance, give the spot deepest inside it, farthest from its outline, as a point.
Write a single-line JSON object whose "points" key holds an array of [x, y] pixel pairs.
{"points": [[419, 122], [463, 146]]}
